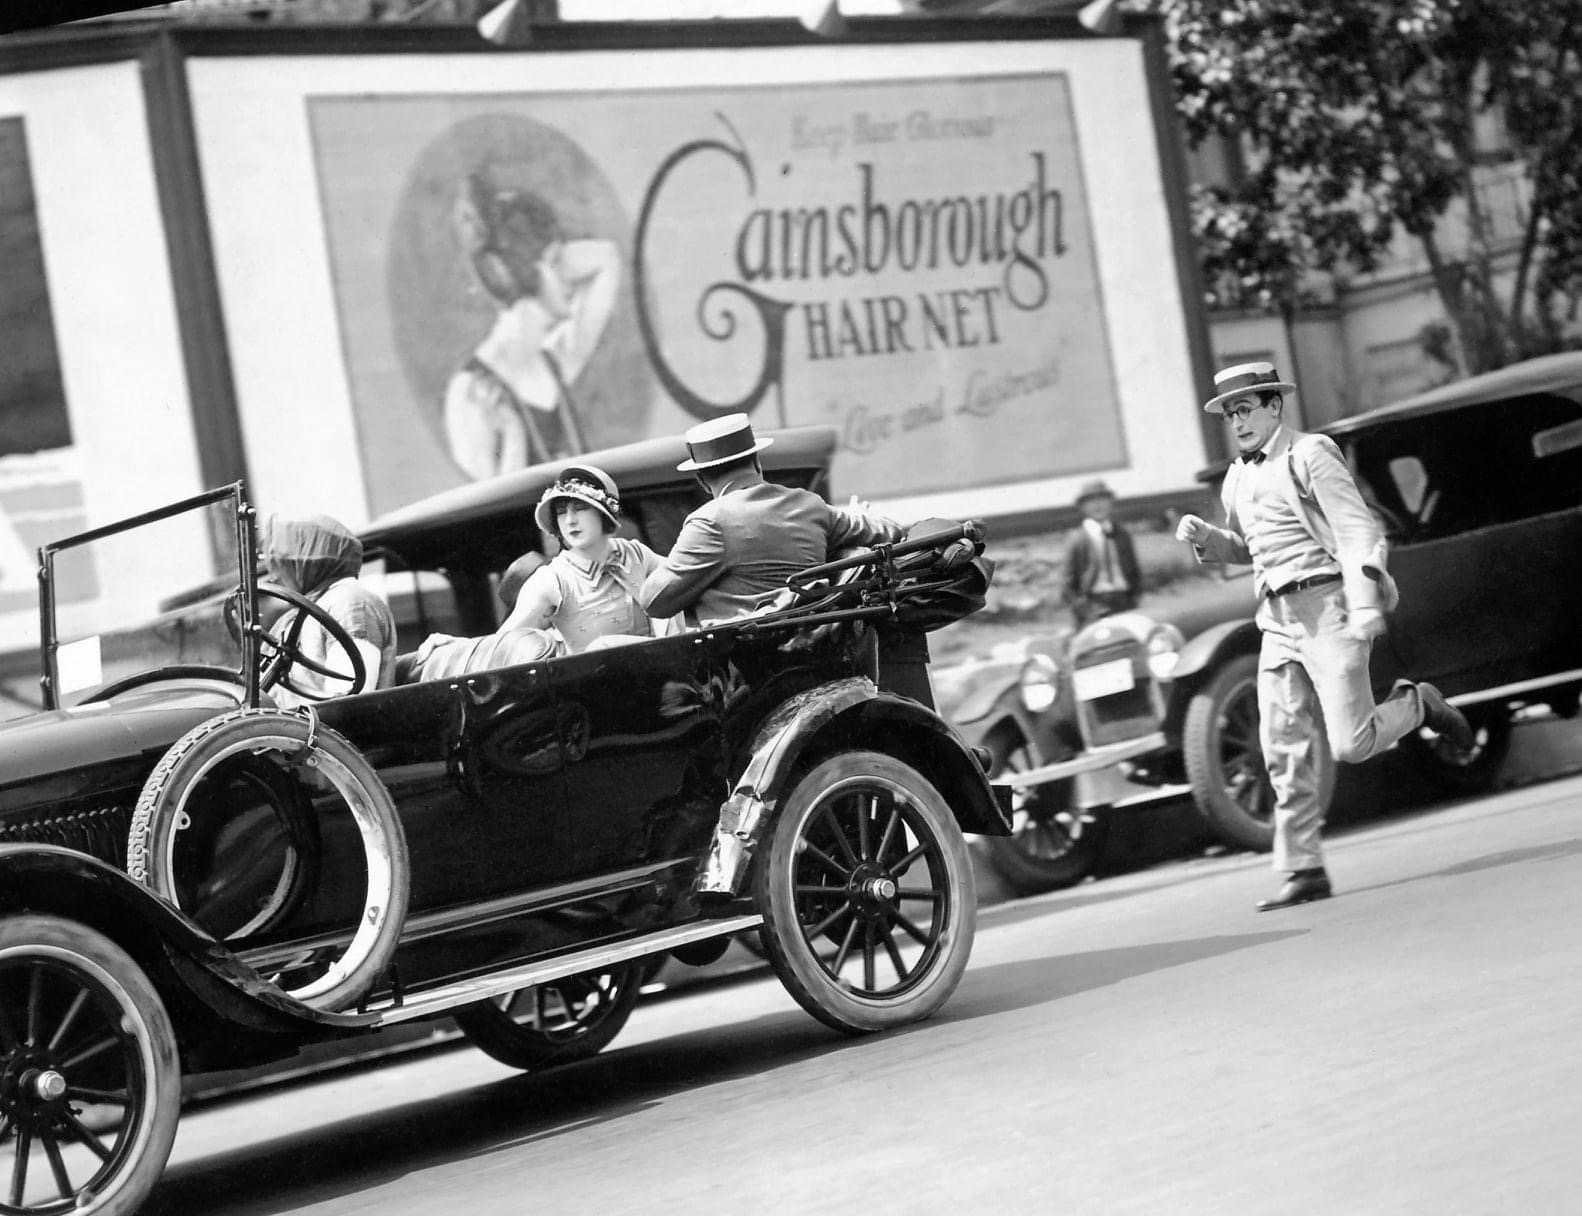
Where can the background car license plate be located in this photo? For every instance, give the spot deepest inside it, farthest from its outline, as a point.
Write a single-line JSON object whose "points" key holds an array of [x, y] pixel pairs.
{"points": [[1103, 680]]}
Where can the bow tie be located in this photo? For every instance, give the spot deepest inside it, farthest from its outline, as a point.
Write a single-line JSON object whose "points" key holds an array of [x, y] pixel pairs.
{"points": [[1252, 457]]}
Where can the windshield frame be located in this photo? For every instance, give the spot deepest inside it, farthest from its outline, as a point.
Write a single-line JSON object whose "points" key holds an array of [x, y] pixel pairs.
{"points": [[245, 522]]}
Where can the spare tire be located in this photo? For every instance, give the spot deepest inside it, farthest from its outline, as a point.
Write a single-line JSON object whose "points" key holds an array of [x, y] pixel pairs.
{"points": [[280, 743]]}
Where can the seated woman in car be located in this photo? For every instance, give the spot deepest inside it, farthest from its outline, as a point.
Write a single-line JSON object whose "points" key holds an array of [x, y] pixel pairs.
{"points": [[319, 558], [588, 591]]}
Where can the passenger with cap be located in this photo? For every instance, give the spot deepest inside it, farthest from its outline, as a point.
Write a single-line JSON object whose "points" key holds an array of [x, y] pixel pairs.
{"points": [[752, 534], [588, 591], [319, 558], [1102, 575], [1293, 511]]}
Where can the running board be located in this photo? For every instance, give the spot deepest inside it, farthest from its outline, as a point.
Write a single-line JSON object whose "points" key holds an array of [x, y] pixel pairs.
{"points": [[1505, 691], [597, 958], [1145, 798], [1087, 762]]}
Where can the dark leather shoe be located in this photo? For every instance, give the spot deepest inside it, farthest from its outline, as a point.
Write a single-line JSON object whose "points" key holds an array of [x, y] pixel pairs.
{"points": [[1443, 718], [1302, 887]]}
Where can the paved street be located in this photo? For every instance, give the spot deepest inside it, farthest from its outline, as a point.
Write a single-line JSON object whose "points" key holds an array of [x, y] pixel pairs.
{"points": [[1146, 1043]]}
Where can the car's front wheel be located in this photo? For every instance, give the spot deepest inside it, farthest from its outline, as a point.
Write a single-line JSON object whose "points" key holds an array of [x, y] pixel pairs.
{"points": [[90, 1082], [1224, 758], [1052, 844], [559, 1022], [867, 894]]}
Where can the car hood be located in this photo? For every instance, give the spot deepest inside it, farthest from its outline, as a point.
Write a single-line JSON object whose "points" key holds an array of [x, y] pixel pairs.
{"points": [[1198, 604], [970, 684], [953, 684], [69, 743]]}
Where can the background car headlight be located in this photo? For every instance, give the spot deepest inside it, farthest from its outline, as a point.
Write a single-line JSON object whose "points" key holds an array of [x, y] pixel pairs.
{"points": [[1164, 651], [1040, 683]]}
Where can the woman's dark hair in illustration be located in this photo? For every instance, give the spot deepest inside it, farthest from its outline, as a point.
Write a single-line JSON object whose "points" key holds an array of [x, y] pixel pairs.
{"points": [[505, 232]]}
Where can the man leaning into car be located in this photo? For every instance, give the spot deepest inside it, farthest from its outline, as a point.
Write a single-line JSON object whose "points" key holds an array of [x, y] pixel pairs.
{"points": [[1294, 512], [752, 534]]}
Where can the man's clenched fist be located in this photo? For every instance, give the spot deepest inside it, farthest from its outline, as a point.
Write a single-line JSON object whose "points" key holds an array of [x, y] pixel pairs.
{"points": [[1192, 529]]}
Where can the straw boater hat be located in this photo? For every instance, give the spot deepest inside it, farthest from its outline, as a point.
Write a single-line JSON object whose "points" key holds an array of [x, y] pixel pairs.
{"points": [[584, 483], [1094, 489], [1242, 379], [720, 441]]}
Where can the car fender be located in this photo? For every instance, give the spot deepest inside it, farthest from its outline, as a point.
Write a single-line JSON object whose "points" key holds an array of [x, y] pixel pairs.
{"points": [[850, 712], [985, 699], [1201, 656], [219, 1004]]}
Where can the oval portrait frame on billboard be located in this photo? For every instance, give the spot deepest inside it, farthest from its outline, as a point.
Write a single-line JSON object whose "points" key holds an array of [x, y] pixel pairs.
{"points": [[444, 303]]}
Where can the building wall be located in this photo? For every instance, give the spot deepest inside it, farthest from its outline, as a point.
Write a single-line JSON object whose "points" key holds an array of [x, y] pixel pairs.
{"points": [[100, 237]]}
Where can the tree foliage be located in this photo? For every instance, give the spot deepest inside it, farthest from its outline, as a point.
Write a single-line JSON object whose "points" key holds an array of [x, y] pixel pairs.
{"points": [[1361, 119]]}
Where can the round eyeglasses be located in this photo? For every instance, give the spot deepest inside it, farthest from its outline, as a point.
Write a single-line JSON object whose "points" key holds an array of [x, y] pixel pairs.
{"points": [[1241, 412]]}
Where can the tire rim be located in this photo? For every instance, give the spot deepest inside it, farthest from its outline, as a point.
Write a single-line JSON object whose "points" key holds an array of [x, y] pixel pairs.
{"points": [[865, 868], [381, 866], [75, 1081], [564, 1010]]}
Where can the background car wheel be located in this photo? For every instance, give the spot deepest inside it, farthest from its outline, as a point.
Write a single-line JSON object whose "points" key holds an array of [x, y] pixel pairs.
{"points": [[90, 1083], [1224, 759], [1052, 844], [867, 894], [556, 1023], [1461, 772], [171, 813]]}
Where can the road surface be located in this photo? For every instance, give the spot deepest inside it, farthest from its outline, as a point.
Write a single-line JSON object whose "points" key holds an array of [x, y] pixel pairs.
{"points": [[1143, 1044]]}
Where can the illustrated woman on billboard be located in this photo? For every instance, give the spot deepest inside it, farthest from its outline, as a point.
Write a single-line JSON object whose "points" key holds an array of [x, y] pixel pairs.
{"points": [[511, 403]]}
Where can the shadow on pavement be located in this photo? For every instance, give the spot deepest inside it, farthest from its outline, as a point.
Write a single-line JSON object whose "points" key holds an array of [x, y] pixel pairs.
{"points": [[321, 1163], [1003, 987], [324, 1162], [1490, 861]]}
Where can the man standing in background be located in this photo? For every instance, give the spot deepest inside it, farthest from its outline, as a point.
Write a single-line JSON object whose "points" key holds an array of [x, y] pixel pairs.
{"points": [[1101, 562]]}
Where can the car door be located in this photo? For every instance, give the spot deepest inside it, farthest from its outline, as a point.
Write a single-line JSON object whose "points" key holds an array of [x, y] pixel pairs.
{"points": [[643, 748], [474, 763]]}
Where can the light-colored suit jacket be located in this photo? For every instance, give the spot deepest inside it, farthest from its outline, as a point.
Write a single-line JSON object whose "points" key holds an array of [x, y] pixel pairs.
{"points": [[1316, 481], [743, 545]]}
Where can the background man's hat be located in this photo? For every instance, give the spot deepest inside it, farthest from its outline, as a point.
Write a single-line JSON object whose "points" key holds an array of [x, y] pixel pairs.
{"points": [[1094, 489], [720, 441], [1245, 378], [585, 483]]}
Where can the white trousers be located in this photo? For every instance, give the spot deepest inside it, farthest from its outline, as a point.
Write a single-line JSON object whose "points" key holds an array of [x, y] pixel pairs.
{"points": [[1313, 692]]}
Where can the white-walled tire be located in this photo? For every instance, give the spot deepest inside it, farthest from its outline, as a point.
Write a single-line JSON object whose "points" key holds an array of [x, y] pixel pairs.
{"points": [[90, 1082], [171, 793], [867, 894]]}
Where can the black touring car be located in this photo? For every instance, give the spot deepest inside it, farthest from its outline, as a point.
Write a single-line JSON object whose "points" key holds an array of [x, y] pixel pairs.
{"points": [[194, 880]]}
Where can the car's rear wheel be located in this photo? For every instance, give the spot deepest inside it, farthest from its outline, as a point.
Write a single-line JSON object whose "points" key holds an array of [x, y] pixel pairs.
{"points": [[867, 894], [1470, 772], [207, 856], [1224, 758], [1052, 843], [560, 1022], [90, 1082]]}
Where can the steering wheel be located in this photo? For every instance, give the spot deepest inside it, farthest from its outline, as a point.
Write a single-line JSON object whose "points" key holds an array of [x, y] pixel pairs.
{"points": [[279, 654]]}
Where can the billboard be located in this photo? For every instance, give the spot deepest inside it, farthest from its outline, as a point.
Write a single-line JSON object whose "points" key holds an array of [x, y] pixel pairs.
{"points": [[525, 276], [359, 267]]}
